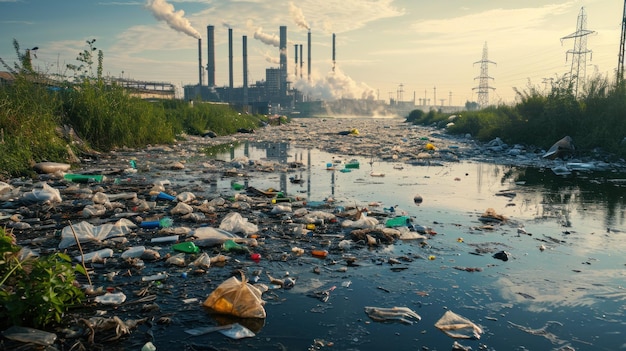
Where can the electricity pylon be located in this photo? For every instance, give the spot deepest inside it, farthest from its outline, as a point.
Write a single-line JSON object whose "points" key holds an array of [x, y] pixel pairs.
{"points": [[579, 53], [483, 79]]}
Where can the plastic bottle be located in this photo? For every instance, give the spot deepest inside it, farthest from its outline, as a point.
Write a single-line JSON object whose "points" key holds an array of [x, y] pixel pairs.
{"points": [[135, 251], [319, 253], [231, 245], [280, 199], [159, 276], [186, 247], [104, 253], [237, 186], [164, 222], [400, 221], [84, 178], [165, 196], [163, 239]]}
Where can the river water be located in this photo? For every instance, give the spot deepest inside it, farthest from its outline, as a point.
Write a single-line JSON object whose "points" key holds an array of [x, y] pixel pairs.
{"points": [[562, 287]]}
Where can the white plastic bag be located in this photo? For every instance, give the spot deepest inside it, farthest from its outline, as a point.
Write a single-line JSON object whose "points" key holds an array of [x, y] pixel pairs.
{"points": [[235, 223]]}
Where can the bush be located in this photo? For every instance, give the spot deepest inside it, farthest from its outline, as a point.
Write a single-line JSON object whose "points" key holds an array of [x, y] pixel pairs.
{"points": [[35, 292]]}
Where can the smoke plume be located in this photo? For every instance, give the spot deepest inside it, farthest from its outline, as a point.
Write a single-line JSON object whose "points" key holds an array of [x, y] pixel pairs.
{"points": [[269, 39], [298, 17], [336, 85], [163, 11]]}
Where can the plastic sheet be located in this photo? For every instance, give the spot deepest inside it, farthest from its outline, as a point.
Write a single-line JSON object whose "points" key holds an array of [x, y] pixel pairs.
{"points": [[459, 327], [87, 232]]}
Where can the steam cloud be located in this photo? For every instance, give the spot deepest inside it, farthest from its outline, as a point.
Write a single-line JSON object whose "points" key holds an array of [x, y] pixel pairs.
{"points": [[336, 85], [298, 17], [269, 39], [163, 11]]}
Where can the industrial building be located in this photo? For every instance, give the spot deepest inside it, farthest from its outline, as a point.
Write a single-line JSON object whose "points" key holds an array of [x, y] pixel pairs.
{"points": [[274, 95]]}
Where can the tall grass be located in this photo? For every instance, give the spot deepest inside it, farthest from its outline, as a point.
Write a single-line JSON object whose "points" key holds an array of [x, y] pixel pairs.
{"points": [[596, 119], [104, 115]]}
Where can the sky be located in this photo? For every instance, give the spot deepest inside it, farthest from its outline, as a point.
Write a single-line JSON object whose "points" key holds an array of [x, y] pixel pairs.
{"points": [[401, 49]]}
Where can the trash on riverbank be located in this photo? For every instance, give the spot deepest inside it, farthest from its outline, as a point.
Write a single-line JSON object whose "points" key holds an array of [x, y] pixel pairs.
{"points": [[237, 298]]}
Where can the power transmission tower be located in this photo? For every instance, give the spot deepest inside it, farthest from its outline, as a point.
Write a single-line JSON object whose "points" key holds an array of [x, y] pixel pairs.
{"points": [[579, 53], [483, 79], [622, 42]]}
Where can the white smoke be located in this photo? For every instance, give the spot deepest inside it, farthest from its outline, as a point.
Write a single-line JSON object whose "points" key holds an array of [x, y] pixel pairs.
{"points": [[269, 39], [163, 11], [336, 85], [271, 59], [298, 16]]}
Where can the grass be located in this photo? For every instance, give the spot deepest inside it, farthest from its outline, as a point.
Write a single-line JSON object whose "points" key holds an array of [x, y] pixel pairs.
{"points": [[33, 111], [594, 119]]}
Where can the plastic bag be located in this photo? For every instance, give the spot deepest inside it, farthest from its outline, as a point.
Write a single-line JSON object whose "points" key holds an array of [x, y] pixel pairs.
{"points": [[45, 194], [459, 327], [86, 232], [235, 223], [237, 298]]}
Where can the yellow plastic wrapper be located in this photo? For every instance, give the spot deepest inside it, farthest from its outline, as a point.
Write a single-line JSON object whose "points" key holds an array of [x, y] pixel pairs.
{"points": [[236, 298]]}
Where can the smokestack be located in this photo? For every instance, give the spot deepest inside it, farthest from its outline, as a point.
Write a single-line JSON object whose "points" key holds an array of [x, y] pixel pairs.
{"points": [[333, 52], [245, 71], [301, 61], [230, 58], [296, 69], [199, 62], [283, 60], [309, 60], [210, 66]]}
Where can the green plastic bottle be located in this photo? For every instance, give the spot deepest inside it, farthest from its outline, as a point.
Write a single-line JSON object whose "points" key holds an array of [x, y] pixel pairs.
{"points": [[400, 221], [84, 178], [186, 247], [231, 246]]}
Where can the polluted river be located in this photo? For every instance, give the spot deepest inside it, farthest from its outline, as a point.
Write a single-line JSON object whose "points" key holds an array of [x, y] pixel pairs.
{"points": [[351, 233]]}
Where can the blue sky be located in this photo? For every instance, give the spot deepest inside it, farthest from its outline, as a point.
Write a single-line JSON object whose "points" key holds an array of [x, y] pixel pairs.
{"points": [[427, 49]]}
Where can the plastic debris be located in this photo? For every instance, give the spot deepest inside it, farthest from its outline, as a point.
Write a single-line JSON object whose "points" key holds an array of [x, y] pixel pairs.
{"points": [[458, 327], [237, 298], [30, 335], [392, 314]]}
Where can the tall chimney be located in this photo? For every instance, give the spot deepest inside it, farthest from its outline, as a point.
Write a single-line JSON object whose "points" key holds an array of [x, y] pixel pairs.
{"points": [[309, 60], [301, 61], [245, 71], [199, 62], [230, 58], [210, 65], [296, 69], [283, 60], [333, 52]]}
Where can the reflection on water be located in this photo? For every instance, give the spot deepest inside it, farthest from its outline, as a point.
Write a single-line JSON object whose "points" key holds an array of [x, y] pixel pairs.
{"points": [[566, 264]]}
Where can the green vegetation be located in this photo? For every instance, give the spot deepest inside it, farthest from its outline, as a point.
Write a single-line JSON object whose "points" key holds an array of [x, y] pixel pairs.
{"points": [[35, 291], [594, 119], [35, 110]]}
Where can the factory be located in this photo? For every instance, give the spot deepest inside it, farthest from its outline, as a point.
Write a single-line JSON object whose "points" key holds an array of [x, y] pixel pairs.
{"points": [[274, 95]]}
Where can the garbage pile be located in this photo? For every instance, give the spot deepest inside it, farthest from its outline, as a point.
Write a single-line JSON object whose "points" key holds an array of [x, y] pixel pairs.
{"points": [[134, 232]]}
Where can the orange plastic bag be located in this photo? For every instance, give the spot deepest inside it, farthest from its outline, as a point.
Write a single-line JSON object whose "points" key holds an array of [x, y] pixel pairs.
{"points": [[237, 298]]}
